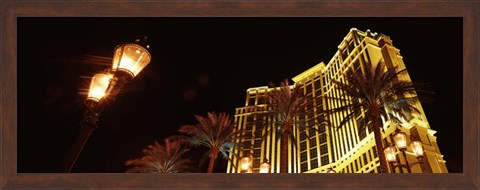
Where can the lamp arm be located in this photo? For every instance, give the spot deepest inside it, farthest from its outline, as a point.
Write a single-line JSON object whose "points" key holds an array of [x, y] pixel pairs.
{"points": [[420, 161], [399, 166]]}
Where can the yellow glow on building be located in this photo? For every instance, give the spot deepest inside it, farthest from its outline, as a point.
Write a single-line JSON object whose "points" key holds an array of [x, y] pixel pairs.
{"points": [[348, 149]]}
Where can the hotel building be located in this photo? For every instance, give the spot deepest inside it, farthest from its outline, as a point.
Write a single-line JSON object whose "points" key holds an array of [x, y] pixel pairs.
{"points": [[349, 149]]}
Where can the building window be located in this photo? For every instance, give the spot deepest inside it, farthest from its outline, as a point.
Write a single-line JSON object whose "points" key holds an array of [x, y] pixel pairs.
{"points": [[316, 83], [251, 100], [303, 156], [256, 153], [314, 163], [258, 133], [304, 167], [318, 100], [257, 141], [369, 155], [321, 128], [356, 66], [362, 133], [308, 88], [356, 164], [303, 145], [334, 158], [311, 129], [323, 138], [303, 134], [344, 54], [324, 160], [247, 143], [351, 45], [323, 149], [250, 120], [365, 161], [313, 153]]}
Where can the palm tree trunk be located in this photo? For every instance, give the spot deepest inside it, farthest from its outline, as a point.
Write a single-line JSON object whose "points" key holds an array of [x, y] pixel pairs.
{"points": [[213, 156], [210, 165], [284, 155], [375, 118], [284, 149]]}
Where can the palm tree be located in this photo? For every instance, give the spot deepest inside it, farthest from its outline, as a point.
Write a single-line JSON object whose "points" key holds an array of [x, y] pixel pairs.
{"points": [[168, 158], [216, 132], [372, 91], [286, 103]]}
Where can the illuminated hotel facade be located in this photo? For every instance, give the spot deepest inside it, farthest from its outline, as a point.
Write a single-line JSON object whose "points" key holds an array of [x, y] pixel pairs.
{"points": [[349, 149]]}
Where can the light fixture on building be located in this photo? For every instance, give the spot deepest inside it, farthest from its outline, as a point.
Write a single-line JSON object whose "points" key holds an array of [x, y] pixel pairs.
{"points": [[245, 164], [390, 153], [331, 170], [400, 140], [265, 167]]}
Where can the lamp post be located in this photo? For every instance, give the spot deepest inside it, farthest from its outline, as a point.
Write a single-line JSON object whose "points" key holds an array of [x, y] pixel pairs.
{"points": [[128, 60], [400, 140]]}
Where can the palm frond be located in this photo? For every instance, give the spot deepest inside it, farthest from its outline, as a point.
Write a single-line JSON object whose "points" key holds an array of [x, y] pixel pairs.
{"points": [[215, 131], [166, 158]]}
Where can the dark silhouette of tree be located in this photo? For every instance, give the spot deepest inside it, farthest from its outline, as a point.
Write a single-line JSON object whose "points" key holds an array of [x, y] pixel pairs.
{"points": [[167, 158], [216, 132], [372, 91], [286, 103]]}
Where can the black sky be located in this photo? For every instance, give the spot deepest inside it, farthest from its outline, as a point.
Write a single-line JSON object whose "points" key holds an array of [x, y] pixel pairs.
{"points": [[201, 65]]}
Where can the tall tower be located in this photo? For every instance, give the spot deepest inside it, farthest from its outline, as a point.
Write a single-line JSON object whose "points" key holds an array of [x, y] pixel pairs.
{"points": [[349, 149]]}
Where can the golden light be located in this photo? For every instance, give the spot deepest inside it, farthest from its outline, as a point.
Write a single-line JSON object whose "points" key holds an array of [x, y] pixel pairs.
{"points": [[265, 167], [249, 170], [390, 153], [98, 86], [417, 148], [400, 139], [331, 171], [131, 58], [245, 163]]}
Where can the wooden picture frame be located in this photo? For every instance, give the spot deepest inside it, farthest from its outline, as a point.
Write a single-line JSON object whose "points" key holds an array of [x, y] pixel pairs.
{"points": [[11, 10]]}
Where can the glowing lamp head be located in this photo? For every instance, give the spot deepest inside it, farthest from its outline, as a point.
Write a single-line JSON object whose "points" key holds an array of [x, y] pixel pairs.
{"points": [[400, 139], [131, 57], [265, 167], [245, 163], [331, 171], [98, 86], [417, 148], [390, 153]]}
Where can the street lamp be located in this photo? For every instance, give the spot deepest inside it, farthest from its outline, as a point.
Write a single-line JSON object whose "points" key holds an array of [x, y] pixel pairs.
{"points": [[129, 59], [265, 167], [98, 86], [246, 164], [331, 170], [400, 141]]}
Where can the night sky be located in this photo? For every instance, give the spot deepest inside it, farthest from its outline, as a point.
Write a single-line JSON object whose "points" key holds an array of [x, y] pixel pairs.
{"points": [[200, 65]]}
